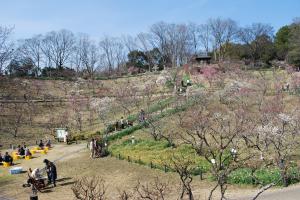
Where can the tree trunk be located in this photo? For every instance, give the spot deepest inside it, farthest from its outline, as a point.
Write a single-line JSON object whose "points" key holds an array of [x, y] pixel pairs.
{"points": [[284, 178]]}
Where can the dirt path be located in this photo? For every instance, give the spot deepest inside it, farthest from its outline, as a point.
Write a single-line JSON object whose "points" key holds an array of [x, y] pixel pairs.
{"points": [[290, 193], [9, 182], [119, 175]]}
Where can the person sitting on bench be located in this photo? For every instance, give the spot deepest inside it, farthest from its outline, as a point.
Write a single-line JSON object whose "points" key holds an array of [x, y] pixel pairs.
{"points": [[27, 152], [7, 158], [41, 145], [1, 159], [21, 151], [48, 144]]}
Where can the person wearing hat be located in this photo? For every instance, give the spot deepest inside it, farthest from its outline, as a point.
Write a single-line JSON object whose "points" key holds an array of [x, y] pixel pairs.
{"points": [[51, 172]]}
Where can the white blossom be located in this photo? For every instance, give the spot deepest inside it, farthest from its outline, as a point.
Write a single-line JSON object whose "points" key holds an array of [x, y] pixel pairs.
{"points": [[284, 117]]}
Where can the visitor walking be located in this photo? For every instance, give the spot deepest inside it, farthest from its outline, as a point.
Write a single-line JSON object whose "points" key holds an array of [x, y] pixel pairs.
{"points": [[51, 172], [142, 116], [122, 123], [92, 148]]}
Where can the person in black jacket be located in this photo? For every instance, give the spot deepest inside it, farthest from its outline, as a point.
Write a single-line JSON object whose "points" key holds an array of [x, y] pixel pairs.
{"points": [[51, 172], [41, 144], [7, 158], [22, 151]]}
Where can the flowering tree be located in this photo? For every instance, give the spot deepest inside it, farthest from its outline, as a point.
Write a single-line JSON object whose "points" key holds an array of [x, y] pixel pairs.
{"points": [[210, 73], [276, 139], [215, 136], [77, 102]]}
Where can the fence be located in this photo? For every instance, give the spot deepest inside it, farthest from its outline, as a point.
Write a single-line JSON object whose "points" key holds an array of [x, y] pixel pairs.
{"points": [[196, 172]]}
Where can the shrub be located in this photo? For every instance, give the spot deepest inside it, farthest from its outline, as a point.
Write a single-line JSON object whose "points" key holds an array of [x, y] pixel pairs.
{"points": [[78, 137], [110, 128], [241, 176], [125, 132], [262, 176]]}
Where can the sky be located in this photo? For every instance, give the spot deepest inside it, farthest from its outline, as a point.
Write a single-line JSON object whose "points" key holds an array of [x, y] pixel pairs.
{"points": [[122, 17]]}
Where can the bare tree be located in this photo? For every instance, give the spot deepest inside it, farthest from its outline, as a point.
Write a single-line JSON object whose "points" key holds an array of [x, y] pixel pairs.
{"points": [[153, 191], [145, 43], [88, 54], [223, 32], [129, 42], [155, 130], [250, 34], [32, 48], [6, 46], [194, 37], [125, 195], [204, 37], [173, 41], [58, 47], [93, 188], [113, 52], [184, 167]]}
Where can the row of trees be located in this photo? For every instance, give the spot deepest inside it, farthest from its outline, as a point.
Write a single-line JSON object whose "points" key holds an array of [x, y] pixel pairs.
{"points": [[164, 45], [248, 127]]}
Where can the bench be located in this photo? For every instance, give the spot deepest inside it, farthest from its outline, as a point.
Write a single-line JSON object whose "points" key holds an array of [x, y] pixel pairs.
{"points": [[16, 156], [28, 157], [42, 151], [6, 164]]}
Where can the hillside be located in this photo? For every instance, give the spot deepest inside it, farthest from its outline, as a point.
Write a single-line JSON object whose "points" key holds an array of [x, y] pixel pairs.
{"points": [[31, 109]]}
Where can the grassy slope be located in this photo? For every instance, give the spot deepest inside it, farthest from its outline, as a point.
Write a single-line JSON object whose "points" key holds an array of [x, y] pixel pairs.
{"points": [[46, 113]]}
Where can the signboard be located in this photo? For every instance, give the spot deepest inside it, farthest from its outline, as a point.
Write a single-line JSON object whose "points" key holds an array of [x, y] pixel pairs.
{"points": [[60, 133]]}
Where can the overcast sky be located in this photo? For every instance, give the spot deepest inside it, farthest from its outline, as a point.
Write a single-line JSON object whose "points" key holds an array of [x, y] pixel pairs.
{"points": [[118, 17]]}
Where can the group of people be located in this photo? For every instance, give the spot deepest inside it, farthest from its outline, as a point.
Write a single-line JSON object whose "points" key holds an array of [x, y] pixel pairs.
{"points": [[122, 123], [23, 150], [97, 148], [6, 158], [42, 145], [35, 176]]}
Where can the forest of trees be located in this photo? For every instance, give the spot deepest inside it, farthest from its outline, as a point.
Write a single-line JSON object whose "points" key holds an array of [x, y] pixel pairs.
{"points": [[63, 53]]}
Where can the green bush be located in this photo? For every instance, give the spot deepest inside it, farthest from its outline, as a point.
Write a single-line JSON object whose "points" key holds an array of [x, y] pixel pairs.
{"points": [[294, 175], [110, 128], [262, 176], [78, 137], [241, 176], [132, 118], [125, 132], [268, 175]]}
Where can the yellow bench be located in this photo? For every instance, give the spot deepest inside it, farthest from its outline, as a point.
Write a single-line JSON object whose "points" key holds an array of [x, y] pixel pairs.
{"points": [[28, 157], [41, 151], [6, 164], [14, 153], [16, 157], [36, 148]]}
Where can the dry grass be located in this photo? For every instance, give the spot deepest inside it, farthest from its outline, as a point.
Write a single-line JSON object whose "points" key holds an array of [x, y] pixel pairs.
{"points": [[118, 174]]}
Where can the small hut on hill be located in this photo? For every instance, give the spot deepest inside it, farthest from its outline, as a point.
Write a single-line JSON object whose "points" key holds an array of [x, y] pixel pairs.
{"points": [[201, 59], [197, 62]]}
